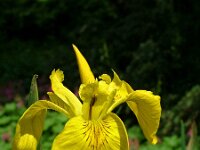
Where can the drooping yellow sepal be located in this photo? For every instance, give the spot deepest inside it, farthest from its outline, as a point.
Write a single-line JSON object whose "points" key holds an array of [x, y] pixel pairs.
{"points": [[147, 109], [79, 134], [30, 125], [84, 68], [91, 125]]}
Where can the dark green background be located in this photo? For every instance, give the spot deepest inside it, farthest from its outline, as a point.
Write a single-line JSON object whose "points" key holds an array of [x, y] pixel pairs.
{"points": [[151, 44]]}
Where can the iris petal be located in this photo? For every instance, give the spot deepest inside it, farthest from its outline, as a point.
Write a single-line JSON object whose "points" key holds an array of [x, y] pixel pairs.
{"points": [[30, 125], [56, 100], [84, 69], [63, 93], [105, 134], [147, 109]]}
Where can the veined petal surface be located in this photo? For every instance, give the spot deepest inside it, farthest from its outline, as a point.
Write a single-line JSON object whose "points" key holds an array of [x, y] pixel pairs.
{"points": [[79, 134], [64, 93], [147, 109], [84, 68], [56, 100], [30, 125]]}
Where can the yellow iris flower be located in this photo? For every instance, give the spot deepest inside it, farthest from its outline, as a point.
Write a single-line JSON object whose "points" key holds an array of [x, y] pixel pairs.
{"points": [[91, 124]]}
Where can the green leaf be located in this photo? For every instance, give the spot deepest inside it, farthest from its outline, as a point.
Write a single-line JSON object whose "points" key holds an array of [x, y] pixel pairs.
{"points": [[171, 142], [5, 120], [57, 128], [33, 94], [183, 143], [135, 133], [10, 107], [33, 97]]}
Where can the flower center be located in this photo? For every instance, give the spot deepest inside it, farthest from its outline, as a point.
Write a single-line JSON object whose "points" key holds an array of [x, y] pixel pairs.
{"points": [[93, 100], [101, 97], [96, 97]]}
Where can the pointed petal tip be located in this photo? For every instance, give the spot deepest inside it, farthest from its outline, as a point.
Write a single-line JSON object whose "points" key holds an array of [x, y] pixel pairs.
{"points": [[74, 46], [76, 50], [154, 140], [84, 68]]}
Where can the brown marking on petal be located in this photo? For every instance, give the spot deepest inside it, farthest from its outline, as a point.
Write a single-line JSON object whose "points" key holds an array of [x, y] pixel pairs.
{"points": [[93, 100]]}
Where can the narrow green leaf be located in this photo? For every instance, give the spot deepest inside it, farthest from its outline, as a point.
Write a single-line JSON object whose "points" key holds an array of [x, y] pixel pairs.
{"points": [[33, 97], [183, 143], [33, 94]]}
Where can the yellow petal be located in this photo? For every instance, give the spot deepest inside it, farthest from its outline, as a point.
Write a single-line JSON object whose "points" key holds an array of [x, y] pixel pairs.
{"points": [[105, 78], [88, 91], [147, 109], [78, 134], [116, 79], [123, 89], [84, 69], [96, 99], [30, 125], [56, 100], [63, 93]]}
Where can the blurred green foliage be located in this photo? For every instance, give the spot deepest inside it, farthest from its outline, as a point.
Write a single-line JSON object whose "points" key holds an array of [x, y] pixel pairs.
{"points": [[186, 109], [55, 122], [9, 115], [153, 45], [148, 42]]}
